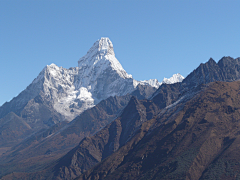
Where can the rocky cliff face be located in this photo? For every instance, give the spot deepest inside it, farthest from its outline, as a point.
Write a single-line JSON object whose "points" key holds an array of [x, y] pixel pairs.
{"points": [[227, 69]]}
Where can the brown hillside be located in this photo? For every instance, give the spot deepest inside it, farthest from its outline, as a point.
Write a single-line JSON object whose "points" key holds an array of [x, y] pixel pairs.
{"points": [[198, 138]]}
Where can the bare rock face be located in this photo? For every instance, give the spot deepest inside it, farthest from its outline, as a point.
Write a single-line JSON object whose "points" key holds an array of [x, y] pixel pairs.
{"points": [[227, 69]]}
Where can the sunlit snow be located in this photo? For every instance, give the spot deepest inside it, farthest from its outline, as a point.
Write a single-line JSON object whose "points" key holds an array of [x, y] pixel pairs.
{"points": [[98, 76]]}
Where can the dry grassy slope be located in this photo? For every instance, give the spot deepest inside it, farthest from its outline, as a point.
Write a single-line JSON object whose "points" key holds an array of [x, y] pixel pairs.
{"points": [[199, 141]]}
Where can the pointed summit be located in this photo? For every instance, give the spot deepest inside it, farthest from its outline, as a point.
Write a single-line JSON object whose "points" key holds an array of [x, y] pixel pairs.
{"points": [[105, 46], [211, 61], [101, 56], [175, 78]]}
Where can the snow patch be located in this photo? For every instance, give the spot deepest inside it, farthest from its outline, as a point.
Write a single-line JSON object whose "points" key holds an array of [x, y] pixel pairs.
{"points": [[155, 83], [175, 78]]}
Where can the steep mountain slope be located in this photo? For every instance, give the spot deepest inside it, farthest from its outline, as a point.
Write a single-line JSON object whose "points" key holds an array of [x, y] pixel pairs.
{"points": [[93, 150], [48, 145], [12, 130], [196, 138], [227, 69], [176, 102], [169, 98], [165, 96], [36, 115]]}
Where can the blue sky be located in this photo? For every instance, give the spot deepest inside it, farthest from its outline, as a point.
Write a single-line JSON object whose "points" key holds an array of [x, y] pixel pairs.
{"points": [[151, 39]]}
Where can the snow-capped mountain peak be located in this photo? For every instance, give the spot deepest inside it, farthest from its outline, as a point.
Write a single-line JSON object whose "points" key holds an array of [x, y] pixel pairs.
{"points": [[100, 56], [175, 78], [98, 76], [105, 46], [151, 82], [155, 83]]}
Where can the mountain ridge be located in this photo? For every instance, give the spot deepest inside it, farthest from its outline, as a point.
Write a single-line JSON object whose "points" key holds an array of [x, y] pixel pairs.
{"points": [[71, 91], [171, 99], [181, 108], [192, 141]]}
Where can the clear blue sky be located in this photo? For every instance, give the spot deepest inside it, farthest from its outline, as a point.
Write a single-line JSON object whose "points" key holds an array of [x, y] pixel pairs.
{"points": [[151, 39]]}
